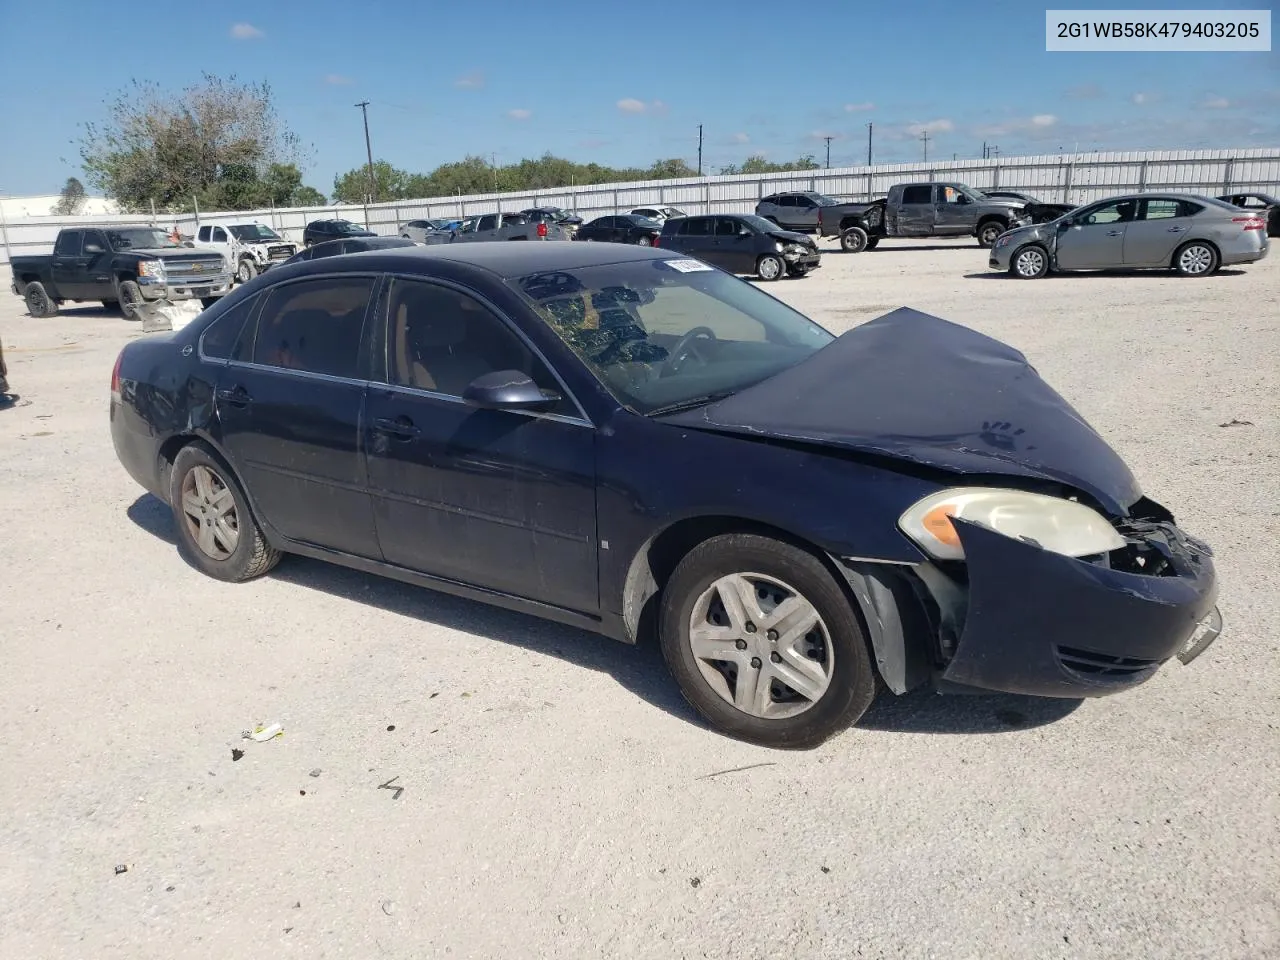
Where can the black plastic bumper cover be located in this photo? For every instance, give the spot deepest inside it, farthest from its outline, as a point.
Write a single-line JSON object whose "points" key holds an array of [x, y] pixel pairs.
{"points": [[1043, 624]]}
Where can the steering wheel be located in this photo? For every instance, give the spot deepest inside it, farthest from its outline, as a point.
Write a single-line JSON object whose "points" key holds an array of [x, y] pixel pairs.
{"points": [[685, 347]]}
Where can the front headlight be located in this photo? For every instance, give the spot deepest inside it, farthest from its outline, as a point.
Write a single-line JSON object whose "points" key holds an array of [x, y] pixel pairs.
{"points": [[1057, 525], [1003, 241], [151, 268]]}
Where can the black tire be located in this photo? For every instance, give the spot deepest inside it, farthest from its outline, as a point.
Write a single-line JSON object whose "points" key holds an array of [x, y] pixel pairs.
{"points": [[873, 242], [1030, 262], [39, 303], [1196, 258], [989, 232], [246, 270], [252, 556], [854, 240], [852, 686], [129, 296], [770, 267], [644, 240]]}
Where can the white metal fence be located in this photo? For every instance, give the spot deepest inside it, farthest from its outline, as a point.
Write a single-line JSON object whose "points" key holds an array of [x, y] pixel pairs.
{"points": [[1069, 179]]}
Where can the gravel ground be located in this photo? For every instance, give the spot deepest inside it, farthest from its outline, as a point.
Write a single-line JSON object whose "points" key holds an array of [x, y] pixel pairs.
{"points": [[557, 795]]}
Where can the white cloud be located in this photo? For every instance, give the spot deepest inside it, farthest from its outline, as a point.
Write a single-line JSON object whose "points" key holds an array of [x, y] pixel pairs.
{"points": [[859, 107], [1043, 120], [246, 31], [1217, 103], [336, 80], [631, 105], [1140, 98], [739, 138], [470, 81], [519, 114], [931, 126]]}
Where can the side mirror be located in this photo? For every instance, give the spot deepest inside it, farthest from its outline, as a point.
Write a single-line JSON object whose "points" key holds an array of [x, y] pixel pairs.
{"points": [[1065, 224], [507, 390], [962, 198], [744, 231]]}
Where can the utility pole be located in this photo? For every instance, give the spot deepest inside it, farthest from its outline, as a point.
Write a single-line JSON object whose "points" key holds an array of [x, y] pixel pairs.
{"points": [[493, 163], [924, 138], [828, 139], [699, 149], [373, 190], [869, 144]]}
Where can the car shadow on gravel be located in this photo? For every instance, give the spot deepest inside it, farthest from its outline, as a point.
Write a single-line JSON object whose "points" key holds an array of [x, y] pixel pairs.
{"points": [[1083, 274], [638, 669]]}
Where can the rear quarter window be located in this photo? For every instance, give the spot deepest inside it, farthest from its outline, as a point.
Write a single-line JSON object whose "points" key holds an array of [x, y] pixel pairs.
{"points": [[222, 340]]}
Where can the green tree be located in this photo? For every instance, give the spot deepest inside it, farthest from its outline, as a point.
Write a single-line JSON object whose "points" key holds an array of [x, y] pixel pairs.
{"points": [[390, 183], [758, 164], [71, 199], [215, 140]]}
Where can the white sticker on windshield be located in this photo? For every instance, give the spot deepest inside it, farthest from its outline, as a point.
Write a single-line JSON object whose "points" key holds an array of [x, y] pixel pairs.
{"points": [[686, 266]]}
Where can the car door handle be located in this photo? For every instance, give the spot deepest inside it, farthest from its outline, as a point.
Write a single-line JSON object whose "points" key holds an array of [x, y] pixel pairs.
{"points": [[1176, 229], [237, 396], [1115, 233], [401, 428]]}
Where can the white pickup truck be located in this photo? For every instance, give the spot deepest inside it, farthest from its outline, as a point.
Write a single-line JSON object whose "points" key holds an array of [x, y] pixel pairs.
{"points": [[250, 247]]}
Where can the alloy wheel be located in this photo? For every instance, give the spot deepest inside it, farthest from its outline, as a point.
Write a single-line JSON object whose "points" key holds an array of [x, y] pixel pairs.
{"points": [[209, 509], [1195, 260], [761, 645], [1029, 263]]}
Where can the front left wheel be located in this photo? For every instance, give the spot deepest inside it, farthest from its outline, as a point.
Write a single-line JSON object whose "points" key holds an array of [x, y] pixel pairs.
{"points": [[246, 271], [1030, 262], [764, 643], [216, 530], [989, 233]]}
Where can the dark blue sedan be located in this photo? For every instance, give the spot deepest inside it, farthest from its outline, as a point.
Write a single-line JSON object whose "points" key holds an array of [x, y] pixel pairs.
{"points": [[633, 442]]}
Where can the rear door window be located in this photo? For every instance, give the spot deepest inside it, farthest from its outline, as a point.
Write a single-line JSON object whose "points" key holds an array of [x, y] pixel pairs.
{"points": [[1163, 210], [68, 244], [698, 227], [219, 340], [219, 235], [727, 227], [488, 222], [314, 326], [920, 193]]}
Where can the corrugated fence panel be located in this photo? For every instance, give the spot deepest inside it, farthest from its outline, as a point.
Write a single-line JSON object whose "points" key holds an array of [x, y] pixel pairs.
{"points": [[1077, 178]]}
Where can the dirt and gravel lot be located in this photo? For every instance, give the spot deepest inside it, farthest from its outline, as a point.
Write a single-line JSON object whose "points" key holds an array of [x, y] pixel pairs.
{"points": [[557, 794]]}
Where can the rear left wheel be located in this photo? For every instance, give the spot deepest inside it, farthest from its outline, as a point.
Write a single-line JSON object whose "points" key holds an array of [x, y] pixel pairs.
{"points": [[644, 241], [764, 643], [854, 240], [38, 301], [216, 531]]}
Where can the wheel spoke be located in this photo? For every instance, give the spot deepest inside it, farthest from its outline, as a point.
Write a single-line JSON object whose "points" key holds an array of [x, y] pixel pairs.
{"points": [[225, 535], [739, 597], [710, 642], [223, 502], [751, 691], [804, 676], [191, 506], [792, 619], [205, 540], [201, 477]]}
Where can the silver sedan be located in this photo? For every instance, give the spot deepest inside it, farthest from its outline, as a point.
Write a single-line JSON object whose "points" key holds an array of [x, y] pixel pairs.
{"points": [[1189, 234]]}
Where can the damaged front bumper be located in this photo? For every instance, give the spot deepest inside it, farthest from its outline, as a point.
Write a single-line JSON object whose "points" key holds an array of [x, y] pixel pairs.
{"points": [[1014, 618]]}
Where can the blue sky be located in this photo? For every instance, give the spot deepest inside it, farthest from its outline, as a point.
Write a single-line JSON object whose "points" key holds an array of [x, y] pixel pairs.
{"points": [[625, 83]]}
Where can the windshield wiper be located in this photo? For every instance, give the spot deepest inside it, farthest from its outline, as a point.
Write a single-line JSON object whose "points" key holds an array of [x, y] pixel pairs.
{"points": [[690, 403]]}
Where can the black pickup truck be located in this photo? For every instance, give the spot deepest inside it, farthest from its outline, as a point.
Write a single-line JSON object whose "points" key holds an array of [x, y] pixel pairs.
{"points": [[123, 266]]}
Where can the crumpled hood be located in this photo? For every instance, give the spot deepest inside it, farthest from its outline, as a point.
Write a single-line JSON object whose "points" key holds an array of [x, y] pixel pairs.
{"points": [[788, 236], [1043, 232], [921, 389]]}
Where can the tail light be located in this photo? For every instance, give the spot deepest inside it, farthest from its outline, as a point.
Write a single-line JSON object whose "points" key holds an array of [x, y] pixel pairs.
{"points": [[657, 238], [542, 231], [115, 378], [1251, 223], [819, 216]]}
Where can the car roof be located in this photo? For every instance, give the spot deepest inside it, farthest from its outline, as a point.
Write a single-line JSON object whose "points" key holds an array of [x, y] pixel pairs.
{"points": [[505, 260]]}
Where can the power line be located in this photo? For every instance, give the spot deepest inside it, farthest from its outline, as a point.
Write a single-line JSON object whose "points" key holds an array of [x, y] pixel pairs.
{"points": [[372, 192]]}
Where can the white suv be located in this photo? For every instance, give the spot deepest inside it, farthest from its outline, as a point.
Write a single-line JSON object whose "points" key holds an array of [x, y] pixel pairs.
{"points": [[250, 248]]}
